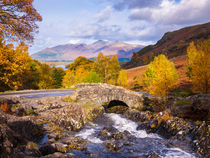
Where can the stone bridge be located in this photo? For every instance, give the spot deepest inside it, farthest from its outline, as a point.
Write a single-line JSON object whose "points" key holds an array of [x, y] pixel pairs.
{"points": [[105, 94]]}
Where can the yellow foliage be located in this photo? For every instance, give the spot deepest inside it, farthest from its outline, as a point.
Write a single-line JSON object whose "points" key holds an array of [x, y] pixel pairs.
{"points": [[77, 71], [45, 77], [113, 70], [102, 67], [160, 76], [14, 63], [69, 79], [199, 65], [123, 78], [107, 68]]}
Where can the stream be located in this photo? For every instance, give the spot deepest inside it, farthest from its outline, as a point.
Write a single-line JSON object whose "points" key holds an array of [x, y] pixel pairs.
{"points": [[129, 142]]}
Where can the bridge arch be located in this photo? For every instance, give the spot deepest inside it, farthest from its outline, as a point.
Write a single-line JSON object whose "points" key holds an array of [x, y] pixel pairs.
{"points": [[102, 93], [113, 103]]}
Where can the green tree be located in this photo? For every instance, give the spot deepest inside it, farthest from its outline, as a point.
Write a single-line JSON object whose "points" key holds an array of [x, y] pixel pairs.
{"points": [[57, 76], [199, 65], [45, 77], [122, 78], [160, 76], [92, 77], [31, 78]]}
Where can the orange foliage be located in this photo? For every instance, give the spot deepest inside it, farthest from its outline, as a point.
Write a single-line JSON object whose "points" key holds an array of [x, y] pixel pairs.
{"points": [[17, 20], [4, 106]]}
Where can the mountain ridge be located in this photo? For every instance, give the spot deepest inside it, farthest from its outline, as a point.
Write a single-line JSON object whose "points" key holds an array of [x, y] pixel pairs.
{"points": [[172, 44], [72, 51]]}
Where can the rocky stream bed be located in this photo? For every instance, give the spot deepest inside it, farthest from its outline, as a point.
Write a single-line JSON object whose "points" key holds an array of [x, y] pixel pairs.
{"points": [[63, 127]]}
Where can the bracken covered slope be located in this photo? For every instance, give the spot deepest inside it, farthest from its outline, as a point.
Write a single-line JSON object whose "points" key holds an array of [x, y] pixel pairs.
{"points": [[172, 44]]}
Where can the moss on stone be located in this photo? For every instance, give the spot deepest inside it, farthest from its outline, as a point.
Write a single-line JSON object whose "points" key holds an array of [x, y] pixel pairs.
{"points": [[183, 102]]}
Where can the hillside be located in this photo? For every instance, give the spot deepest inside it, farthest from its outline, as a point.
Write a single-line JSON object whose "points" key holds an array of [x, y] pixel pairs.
{"points": [[66, 52], [181, 65], [172, 44]]}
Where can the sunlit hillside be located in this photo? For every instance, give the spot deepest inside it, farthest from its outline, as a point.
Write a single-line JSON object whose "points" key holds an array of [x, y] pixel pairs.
{"points": [[181, 66]]}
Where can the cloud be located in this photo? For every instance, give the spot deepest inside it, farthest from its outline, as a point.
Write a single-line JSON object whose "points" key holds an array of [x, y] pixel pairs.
{"points": [[130, 4], [95, 31], [104, 14], [174, 13], [120, 20]]}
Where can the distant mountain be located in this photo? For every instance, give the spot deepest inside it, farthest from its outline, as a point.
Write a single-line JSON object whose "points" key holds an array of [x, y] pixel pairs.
{"points": [[69, 52], [172, 44]]}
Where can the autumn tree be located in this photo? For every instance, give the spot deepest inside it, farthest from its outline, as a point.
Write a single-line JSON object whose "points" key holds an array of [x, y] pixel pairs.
{"points": [[14, 63], [31, 76], [199, 65], [114, 70], [45, 76], [57, 76], [160, 76], [77, 71], [92, 77], [122, 78], [108, 69], [18, 20], [69, 79], [102, 66]]}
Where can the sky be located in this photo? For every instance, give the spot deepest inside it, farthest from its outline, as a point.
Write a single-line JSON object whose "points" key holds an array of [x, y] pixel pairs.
{"points": [[133, 21]]}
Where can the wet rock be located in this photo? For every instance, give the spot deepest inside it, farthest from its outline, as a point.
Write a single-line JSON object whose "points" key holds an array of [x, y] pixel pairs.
{"points": [[106, 132], [56, 155], [201, 139], [75, 143], [61, 155], [191, 133], [47, 149], [116, 109], [60, 147], [153, 155], [138, 115], [31, 150], [143, 126], [112, 146], [53, 135]]}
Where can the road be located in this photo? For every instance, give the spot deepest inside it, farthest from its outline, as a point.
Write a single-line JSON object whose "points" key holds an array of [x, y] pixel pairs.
{"points": [[38, 93]]}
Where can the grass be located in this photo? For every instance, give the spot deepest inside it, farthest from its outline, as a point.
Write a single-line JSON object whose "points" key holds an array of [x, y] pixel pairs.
{"points": [[89, 105], [183, 102], [30, 112], [182, 93], [69, 99]]}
